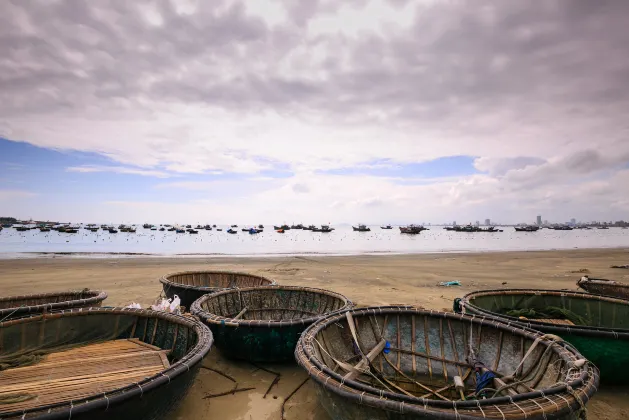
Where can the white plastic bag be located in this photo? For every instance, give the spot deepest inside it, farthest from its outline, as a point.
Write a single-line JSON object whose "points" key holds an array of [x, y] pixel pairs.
{"points": [[134, 305], [164, 305], [174, 305]]}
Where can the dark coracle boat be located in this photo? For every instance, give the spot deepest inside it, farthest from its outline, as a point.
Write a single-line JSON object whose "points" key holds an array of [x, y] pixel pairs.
{"points": [[596, 325], [604, 287], [402, 363], [99, 364], [263, 324], [19, 306], [191, 285]]}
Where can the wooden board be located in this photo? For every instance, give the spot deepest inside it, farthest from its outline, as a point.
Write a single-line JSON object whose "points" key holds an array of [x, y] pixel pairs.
{"points": [[557, 321], [81, 372]]}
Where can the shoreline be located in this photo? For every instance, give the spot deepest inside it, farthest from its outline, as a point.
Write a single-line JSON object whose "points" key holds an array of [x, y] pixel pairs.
{"points": [[135, 255]]}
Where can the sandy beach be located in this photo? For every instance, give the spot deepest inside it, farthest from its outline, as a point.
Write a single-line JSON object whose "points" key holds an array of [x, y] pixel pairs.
{"points": [[366, 280]]}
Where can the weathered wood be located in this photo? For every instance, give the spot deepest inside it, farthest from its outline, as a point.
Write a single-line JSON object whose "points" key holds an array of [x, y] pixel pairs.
{"points": [[363, 363]]}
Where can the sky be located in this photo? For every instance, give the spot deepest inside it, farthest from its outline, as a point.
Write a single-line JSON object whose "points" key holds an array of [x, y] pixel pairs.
{"points": [[373, 111]]}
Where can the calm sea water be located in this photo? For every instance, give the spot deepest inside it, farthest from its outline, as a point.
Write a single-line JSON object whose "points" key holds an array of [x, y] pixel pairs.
{"points": [[343, 241]]}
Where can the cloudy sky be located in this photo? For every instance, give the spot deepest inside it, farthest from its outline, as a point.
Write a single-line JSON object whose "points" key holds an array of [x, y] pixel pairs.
{"points": [[319, 111]]}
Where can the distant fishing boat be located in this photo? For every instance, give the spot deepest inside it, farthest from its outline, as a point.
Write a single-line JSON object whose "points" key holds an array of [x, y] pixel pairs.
{"points": [[232, 231], [299, 226], [310, 227], [253, 231], [44, 229], [112, 230], [193, 231], [284, 227], [528, 228], [180, 230], [147, 226], [387, 227], [234, 226], [603, 227], [260, 226], [172, 229], [280, 231], [411, 229], [162, 229], [361, 228], [219, 230], [323, 229]]}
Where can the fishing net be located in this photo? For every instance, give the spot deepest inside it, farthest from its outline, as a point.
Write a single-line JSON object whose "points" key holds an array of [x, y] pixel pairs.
{"points": [[581, 309], [551, 312]]}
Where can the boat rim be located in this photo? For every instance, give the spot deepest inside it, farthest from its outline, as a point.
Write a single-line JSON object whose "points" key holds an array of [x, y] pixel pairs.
{"points": [[166, 281], [215, 319], [205, 340], [535, 324], [96, 297], [323, 374]]}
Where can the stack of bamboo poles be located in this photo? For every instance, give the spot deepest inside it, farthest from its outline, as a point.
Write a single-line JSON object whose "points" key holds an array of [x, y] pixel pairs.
{"points": [[79, 373]]}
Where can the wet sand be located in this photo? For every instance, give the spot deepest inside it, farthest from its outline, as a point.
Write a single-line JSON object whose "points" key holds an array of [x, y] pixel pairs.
{"points": [[366, 280]]}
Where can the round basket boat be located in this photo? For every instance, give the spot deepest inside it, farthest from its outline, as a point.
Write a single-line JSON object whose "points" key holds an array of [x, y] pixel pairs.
{"points": [[263, 324], [98, 363], [597, 325], [18, 306], [604, 287], [191, 285], [404, 363]]}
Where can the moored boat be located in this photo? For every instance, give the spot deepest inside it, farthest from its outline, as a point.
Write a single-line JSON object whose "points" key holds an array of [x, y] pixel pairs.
{"points": [[411, 229], [528, 228], [18, 306], [604, 287], [284, 227], [98, 364], [191, 285], [263, 324], [230, 230], [323, 229], [399, 363], [387, 227], [361, 228], [596, 325]]}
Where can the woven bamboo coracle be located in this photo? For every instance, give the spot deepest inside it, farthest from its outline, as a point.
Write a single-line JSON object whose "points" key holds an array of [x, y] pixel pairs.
{"points": [[405, 363], [264, 323], [604, 287], [18, 306], [191, 285], [98, 363], [601, 332]]}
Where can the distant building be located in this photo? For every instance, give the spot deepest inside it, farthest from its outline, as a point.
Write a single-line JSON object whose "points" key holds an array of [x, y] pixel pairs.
{"points": [[487, 222], [477, 223], [573, 221], [545, 222], [539, 220], [454, 223]]}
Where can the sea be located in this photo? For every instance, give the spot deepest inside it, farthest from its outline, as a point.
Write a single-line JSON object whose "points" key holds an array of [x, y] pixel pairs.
{"points": [[342, 241]]}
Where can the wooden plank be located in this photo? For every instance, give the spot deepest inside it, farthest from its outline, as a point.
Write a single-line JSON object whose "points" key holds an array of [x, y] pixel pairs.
{"points": [[363, 363], [241, 313]]}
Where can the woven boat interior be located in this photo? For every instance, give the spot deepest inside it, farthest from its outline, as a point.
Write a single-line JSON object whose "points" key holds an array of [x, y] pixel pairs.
{"points": [[579, 309], [271, 304], [80, 372], [43, 299], [410, 356], [217, 279], [57, 358]]}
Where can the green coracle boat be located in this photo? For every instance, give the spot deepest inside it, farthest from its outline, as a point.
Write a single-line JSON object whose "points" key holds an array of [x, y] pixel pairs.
{"points": [[55, 365], [596, 325], [24, 305], [263, 324], [604, 287], [402, 363], [191, 285]]}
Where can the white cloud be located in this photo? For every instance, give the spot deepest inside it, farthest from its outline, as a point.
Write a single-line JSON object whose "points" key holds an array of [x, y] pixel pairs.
{"points": [[537, 94], [118, 170]]}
